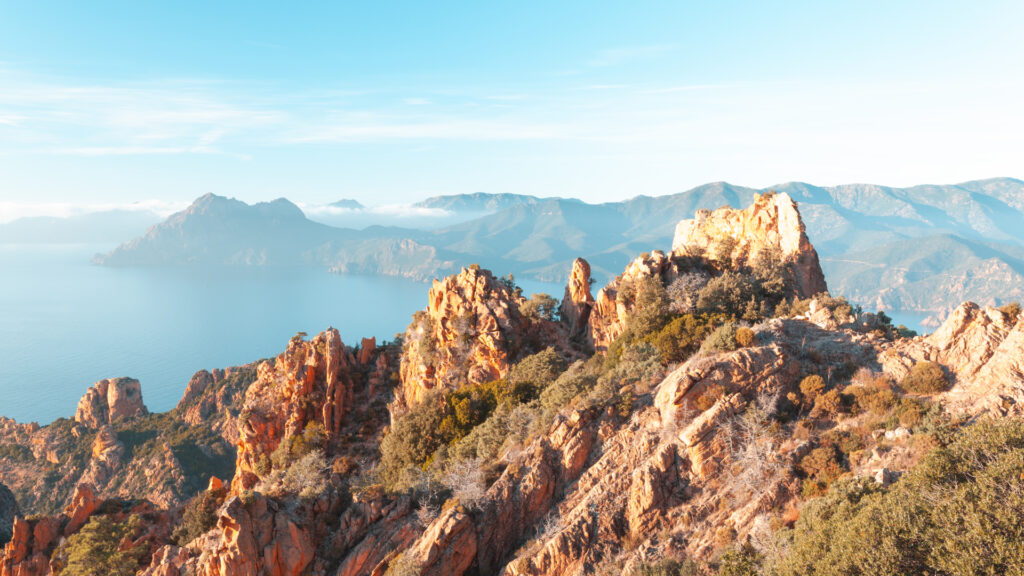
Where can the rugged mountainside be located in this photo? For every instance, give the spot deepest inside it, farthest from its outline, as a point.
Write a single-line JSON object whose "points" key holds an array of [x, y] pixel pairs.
{"points": [[924, 248], [696, 409]]}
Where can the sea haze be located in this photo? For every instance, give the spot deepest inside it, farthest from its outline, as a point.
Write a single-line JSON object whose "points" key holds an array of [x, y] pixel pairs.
{"points": [[67, 323]]}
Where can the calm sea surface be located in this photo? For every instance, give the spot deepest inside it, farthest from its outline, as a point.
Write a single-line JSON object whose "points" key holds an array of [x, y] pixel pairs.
{"points": [[65, 323]]}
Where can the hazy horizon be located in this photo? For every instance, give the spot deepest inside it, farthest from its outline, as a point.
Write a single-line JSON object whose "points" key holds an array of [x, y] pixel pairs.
{"points": [[10, 211]]}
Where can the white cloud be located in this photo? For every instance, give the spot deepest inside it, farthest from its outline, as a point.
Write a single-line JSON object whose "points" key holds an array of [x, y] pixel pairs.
{"points": [[14, 210], [390, 210]]}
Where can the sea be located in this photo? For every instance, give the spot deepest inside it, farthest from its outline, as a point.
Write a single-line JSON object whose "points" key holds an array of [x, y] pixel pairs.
{"points": [[66, 323]]}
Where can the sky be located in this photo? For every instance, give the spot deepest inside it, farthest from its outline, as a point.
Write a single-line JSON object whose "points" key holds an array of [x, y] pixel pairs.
{"points": [[156, 103]]}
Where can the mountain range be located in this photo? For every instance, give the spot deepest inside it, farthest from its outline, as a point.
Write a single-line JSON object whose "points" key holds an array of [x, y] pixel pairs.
{"points": [[922, 248], [709, 411]]}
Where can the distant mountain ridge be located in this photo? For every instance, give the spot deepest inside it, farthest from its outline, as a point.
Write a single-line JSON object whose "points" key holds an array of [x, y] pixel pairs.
{"points": [[868, 236], [91, 227], [477, 202]]}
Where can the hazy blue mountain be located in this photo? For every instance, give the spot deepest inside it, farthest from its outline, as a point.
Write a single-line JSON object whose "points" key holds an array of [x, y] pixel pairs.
{"points": [[431, 214], [93, 227], [928, 273], [223, 231], [347, 204], [479, 202], [919, 248]]}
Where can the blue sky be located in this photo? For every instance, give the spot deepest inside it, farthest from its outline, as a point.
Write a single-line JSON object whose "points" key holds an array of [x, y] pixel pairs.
{"points": [[106, 103]]}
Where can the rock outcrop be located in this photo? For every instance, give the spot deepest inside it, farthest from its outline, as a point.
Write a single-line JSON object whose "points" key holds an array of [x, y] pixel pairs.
{"points": [[472, 331], [311, 382], [578, 302], [110, 400], [213, 399], [613, 303], [772, 222], [981, 348]]}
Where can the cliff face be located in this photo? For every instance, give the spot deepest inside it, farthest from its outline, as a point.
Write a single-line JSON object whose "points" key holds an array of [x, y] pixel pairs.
{"points": [[772, 222], [471, 332], [318, 382]]}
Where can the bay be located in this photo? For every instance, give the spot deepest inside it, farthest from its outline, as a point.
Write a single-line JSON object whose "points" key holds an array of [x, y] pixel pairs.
{"points": [[65, 323]]}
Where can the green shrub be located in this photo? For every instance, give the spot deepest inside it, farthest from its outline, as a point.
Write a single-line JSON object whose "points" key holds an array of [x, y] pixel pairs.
{"points": [[774, 277], [413, 439], [828, 404], [910, 412], [744, 336], [294, 447], [670, 567], [845, 441], [537, 370], [16, 453], [739, 562], [540, 307], [871, 394], [198, 516], [811, 387], [822, 463], [925, 378], [727, 294], [957, 512], [650, 308], [722, 339], [682, 336], [576, 380], [96, 549]]}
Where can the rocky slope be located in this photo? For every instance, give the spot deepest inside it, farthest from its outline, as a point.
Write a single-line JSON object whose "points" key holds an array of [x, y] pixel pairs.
{"points": [[981, 349], [609, 465], [121, 450]]}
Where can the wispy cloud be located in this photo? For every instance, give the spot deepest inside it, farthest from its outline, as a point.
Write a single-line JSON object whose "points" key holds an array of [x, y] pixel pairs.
{"points": [[171, 117], [391, 210]]}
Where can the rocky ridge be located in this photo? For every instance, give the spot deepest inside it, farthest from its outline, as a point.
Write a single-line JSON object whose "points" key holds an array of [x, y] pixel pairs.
{"points": [[772, 222], [686, 460], [472, 331], [981, 349]]}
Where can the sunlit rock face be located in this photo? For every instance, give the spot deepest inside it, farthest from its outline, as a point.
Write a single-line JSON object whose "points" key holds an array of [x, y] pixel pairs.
{"points": [[110, 400], [772, 222], [472, 331]]}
